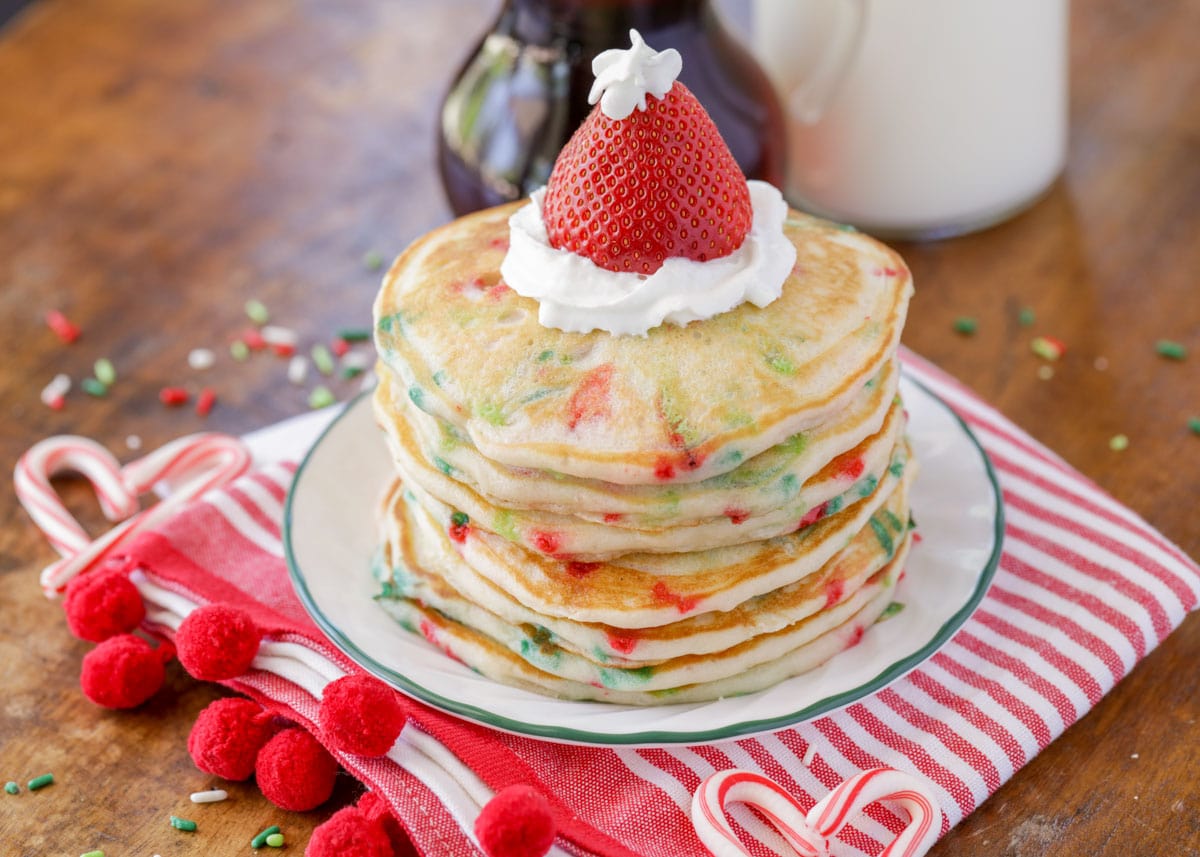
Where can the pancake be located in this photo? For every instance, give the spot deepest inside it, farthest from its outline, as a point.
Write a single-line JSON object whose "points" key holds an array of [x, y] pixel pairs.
{"points": [[421, 564], [643, 590], [680, 404], [759, 485]]}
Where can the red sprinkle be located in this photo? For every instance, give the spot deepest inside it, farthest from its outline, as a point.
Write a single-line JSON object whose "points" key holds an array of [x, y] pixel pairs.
{"points": [[458, 532], [684, 604], [622, 643], [56, 403], [590, 399], [612, 517], [339, 347], [736, 516], [283, 349], [851, 468], [62, 328], [204, 404], [812, 516], [173, 396], [664, 470], [575, 568], [545, 542], [253, 339], [834, 590]]}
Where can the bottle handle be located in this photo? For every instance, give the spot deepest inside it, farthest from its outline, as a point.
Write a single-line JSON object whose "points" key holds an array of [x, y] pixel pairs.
{"points": [[840, 25]]}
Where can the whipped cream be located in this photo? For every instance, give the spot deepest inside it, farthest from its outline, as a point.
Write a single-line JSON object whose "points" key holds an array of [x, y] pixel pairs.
{"points": [[625, 77], [577, 295]]}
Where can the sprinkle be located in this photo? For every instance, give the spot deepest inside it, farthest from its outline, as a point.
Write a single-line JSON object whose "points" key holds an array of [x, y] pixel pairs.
{"points": [[1194, 425], [367, 382], [1169, 348], [205, 401], [12, 788], [1133, 755], [253, 339], [965, 325], [92, 854], [1100, 364], [283, 349], [1045, 373], [1027, 316], [275, 840], [1047, 347], [355, 363], [210, 796], [261, 839], [53, 393], [183, 824], [239, 350], [40, 782], [320, 397], [322, 359], [297, 369], [256, 312], [1118, 442], [62, 328], [201, 359], [133, 442], [372, 260], [354, 334], [172, 396], [339, 347], [93, 387], [351, 372], [273, 334], [105, 373]]}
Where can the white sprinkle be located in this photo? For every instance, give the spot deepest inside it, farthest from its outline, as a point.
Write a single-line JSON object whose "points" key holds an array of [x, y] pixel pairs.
{"points": [[1101, 363], [1134, 756], [201, 359], [1045, 372], [133, 441], [357, 359], [56, 389], [273, 334], [211, 796], [368, 381], [809, 755], [297, 369]]}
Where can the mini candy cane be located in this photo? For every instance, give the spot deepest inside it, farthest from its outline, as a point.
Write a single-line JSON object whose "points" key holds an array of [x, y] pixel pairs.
{"points": [[809, 834], [183, 470]]}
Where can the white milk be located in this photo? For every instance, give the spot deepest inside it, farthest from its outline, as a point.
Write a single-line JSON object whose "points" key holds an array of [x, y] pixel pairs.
{"points": [[932, 117]]}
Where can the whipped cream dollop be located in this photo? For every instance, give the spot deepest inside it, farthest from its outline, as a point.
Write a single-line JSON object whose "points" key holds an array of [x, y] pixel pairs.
{"points": [[577, 295]]}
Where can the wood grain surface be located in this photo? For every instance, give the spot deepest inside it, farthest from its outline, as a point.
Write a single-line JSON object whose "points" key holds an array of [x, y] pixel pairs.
{"points": [[163, 162]]}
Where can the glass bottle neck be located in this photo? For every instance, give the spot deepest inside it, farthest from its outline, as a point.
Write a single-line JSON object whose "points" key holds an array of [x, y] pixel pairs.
{"points": [[594, 25]]}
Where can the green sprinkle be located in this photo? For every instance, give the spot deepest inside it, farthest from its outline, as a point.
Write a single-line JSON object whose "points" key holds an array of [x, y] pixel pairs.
{"points": [[1027, 317], [1047, 348], [105, 373], [93, 854], [492, 413], [261, 839], [40, 782], [1169, 348], [351, 372], [239, 350], [183, 824], [965, 325], [372, 260], [460, 519], [275, 840], [883, 536], [890, 611], [354, 334], [1118, 442], [1194, 425], [12, 788], [322, 359], [94, 387], [320, 397], [781, 364], [257, 312]]}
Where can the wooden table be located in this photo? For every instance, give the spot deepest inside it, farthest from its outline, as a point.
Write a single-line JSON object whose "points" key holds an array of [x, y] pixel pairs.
{"points": [[161, 163]]}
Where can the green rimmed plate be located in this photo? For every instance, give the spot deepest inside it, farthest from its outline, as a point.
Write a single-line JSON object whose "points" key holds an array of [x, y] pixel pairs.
{"points": [[329, 538]]}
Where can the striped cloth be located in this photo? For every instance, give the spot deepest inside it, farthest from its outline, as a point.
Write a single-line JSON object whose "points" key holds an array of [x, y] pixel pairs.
{"points": [[1084, 590]]}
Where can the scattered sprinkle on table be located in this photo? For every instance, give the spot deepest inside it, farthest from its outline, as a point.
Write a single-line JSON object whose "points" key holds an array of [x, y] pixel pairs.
{"points": [[183, 824], [105, 372], [54, 394], [40, 782], [1118, 442], [273, 334], [1194, 425], [261, 839], [253, 339], [1047, 347], [1045, 373], [1100, 364], [320, 397], [1027, 317], [372, 260], [966, 325], [133, 442], [354, 334], [275, 840], [12, 788], [94, 387], [205, 401], [201, 359], [1171, 349], [297, 369], [92, 854], [62, 328], [239, 350], [322, 359], [257, 312], [210, 796], [173, 396]]}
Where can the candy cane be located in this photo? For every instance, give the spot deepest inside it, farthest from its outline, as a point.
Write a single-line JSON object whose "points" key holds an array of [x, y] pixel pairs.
{"points": [[810, 834], [184, 468]]}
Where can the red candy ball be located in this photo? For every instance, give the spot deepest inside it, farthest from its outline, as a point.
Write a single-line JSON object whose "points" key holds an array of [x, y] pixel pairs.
{"points": [[227, 736], [217, 642], [123, 671], [377, 810], [294, 771], [349, 833], [360, 714], [101, 605], [516, 823]]}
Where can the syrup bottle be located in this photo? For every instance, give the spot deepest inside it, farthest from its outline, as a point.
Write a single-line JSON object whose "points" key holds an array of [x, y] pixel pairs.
{"points": [[523, 91]]}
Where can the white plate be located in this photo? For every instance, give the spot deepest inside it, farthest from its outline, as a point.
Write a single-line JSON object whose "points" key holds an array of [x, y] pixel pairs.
{"points": [[330, 535]]}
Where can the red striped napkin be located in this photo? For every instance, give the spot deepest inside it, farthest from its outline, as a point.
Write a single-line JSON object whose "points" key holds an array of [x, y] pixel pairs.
{"points": [[1084, 590]]}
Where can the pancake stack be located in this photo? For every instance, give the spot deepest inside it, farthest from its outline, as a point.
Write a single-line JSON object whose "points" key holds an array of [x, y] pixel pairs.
{"points": [[687, 515]]}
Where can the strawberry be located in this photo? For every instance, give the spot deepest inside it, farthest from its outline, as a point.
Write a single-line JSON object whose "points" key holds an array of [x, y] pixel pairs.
{"points": [[630, 193]]}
